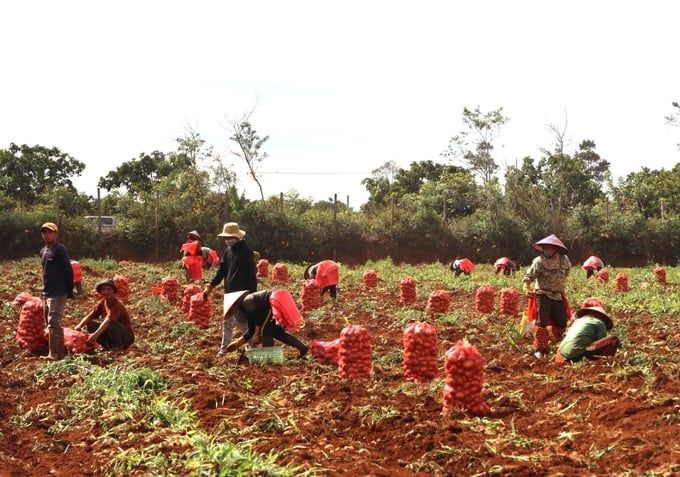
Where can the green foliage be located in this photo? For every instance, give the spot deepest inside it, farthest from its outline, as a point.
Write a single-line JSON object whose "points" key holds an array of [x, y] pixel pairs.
{"points": [[28, 171]]}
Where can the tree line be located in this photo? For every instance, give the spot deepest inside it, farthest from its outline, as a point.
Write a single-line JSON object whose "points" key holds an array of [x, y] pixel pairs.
{"points": [[459, 205]]}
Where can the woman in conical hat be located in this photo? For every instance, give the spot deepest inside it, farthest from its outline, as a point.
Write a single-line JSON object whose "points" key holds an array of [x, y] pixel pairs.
{"points": [[549, 270]]}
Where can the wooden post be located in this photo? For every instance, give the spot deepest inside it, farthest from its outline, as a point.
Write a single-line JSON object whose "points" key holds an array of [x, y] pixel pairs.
{"points": [[335, 226], [99, 223], [281, 202], [156, 251], [348, 203]]}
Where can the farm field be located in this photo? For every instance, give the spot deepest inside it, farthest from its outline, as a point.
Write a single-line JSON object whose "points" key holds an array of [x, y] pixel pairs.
{"points": [[170, 406]]}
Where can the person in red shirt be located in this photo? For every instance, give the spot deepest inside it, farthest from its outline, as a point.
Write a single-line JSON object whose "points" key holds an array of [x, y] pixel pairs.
{"points": [[115, 331]]}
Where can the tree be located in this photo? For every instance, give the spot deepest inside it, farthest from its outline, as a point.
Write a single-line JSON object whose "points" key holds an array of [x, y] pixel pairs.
{"points": [[409, 181], [250, 147], [28, 171], [380, 184], [139, 175], [473, 146]]}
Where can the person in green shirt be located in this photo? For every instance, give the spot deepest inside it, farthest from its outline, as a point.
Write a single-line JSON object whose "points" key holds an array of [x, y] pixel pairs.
{"points": [[588, 336]]}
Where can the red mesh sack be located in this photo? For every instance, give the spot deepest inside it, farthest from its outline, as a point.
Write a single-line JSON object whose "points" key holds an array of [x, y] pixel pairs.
{"points": [[170, 287], [31, 334], [621, 282], [192, 248], [484, 298], [285, 311], [660, 273], [262, 268], [280, 273], [532, 308], [189, 291], [326, 351], [327, 274], [200, 310], [603, 276], [75, 342], [420, 352], [407, 290], [464, 370], [438, 302], [122, 287], [466, 265], [194, 264], [77, 272], [213, 259], [509, 302], [370, 279], [310, 296], [354, 356]]}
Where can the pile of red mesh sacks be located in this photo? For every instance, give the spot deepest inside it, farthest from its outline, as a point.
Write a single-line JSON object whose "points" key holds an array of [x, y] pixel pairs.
{"points": [[122, 287], [262, 268], [370, 279], [170, 289], [464, 370], [326, 351], [438, 302], [420, 352], [509, 302], [310, 296], [621, 282], [200, 310], [31, 334], [407, 290], [189, 291], [660, 273], [280, 273], [355, 352], [484, 297]]}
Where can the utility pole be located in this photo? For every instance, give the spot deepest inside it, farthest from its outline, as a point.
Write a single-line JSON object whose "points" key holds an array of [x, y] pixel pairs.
{"points": [[157, 231], [281, 202], [335, 226]]}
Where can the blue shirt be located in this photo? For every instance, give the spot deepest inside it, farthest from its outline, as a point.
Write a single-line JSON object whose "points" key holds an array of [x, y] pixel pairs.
{"points": [[57, 271]]}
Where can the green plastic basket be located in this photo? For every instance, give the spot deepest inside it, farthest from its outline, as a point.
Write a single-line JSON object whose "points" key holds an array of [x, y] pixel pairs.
{"points": [[266, 355]]}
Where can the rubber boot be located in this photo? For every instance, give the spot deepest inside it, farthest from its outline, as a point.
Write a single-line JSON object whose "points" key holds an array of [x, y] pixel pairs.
{"points": [[56, 343]]}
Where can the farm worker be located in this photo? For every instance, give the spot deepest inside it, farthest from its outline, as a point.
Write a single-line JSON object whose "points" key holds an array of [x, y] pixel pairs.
{"points": [[115, 331], [210, 258], [506, 265], [259, 309], [462, 265], [549, 270], [193, 258], [591, 265], [325, 275], [57, 286], [77, 277], [237, 269], [588, 336]]}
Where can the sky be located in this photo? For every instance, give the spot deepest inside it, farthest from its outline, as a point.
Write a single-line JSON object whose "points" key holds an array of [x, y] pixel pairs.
{"points": [[340, 87]]}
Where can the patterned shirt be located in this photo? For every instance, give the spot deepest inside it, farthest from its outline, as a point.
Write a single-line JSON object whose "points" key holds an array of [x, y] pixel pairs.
{"points": [[549, 281]]}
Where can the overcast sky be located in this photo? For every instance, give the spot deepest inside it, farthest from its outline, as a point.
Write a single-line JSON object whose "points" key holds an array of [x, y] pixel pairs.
{"points": [[341, 87]]}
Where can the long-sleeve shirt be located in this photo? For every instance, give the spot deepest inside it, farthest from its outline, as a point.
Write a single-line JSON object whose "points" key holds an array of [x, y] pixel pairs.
{"points": [[57, 271], [256, 307], [237, 269], [549, 281], [583, 332]]}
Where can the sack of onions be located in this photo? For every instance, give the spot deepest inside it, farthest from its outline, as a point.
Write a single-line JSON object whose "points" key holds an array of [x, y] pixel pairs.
{"points": [[420, 352]]}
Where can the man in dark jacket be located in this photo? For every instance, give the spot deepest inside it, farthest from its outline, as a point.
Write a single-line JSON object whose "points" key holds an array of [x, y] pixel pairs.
{"points": [[237, 269], [57, 286]]}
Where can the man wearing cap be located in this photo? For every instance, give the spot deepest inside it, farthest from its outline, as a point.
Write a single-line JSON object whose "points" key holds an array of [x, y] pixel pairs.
{"points": [[587, 336], [115, 331], [57, 286], [237, 269], [549, 270]]}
